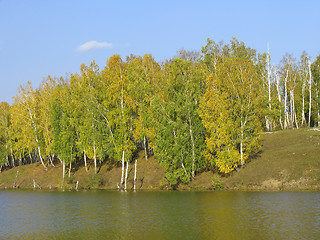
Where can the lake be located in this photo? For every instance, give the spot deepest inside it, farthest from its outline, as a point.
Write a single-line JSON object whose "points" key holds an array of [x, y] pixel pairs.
{"points": [[159, 215]]}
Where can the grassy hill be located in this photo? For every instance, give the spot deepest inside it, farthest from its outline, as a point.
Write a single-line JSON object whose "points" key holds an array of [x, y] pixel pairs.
{"points": [[289, 160]]}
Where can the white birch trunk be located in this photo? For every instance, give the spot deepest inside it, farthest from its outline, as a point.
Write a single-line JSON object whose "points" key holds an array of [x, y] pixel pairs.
{"points": [[95, 158], [7, 156], [85, 160], [35, 133], [310, 93], [12, 158], [286, 121], [182, 165], [193, 147], [41, 158], [294, 114], [36, 185], [145, 147], [241, 149], [279, 97], [51, 158], [135, 175], [30, 157], [303, 118], [69, 170], [63, 171], [268, 119], [122, 169], [126, 177], [15, 180]]}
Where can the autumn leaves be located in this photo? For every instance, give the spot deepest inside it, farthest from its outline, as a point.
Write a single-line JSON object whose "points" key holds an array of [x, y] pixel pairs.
{"points": [[207, 113]]}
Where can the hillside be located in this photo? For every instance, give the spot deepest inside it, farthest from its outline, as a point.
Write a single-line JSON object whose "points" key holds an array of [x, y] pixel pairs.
{"points": [[149, 176], [289, 160]]}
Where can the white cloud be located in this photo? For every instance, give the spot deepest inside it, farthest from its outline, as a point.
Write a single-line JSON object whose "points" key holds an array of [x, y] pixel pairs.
{"points": [[93, 44]]}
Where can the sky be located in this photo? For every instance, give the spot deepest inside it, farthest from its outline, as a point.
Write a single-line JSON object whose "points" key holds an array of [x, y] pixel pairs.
{"points": [[40, 38]]}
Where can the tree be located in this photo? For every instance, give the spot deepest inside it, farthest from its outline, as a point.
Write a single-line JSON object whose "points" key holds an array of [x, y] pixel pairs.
{"points": [[118, 105], [315, 72], [179, 135], [26, 122], [143, 75], [88, 120], [4, 133], [45, 95], [62, 120], [230, 109]]}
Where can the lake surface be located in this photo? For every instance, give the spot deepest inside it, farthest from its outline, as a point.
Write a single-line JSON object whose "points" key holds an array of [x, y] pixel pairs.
{"points": [[159, 215]]}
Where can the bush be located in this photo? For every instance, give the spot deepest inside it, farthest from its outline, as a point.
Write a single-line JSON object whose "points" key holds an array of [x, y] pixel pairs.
{"points": [[97, 179], [217, 184]]}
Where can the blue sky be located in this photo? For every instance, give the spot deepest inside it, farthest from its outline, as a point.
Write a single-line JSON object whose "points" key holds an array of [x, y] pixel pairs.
{"points": [[41, 38]]}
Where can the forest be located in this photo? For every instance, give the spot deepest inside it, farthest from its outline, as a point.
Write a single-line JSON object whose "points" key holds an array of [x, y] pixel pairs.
{"points": [[199, 111]]}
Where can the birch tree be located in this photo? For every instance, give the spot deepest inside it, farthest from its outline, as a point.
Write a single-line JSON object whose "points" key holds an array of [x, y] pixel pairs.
{"points": [[143, 75], [119, 106], [180, 135], [315, 73], [64, 132], [26, 111], [230, 110], [4, 133]]}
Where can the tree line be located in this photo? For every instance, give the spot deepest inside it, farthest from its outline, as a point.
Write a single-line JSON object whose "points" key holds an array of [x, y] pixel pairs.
{"points": [[197, 111]]}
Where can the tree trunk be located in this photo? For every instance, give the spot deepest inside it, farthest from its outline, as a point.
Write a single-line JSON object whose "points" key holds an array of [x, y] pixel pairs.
{"points": [[70, 170], [77, 184], [182, 165], [30, 157], [286, 121], [122, 169], [41, 159], [279, 97], [95, 158], [135, 175], [268, 118], [126, 177], [51, 158], [63, 171], [293, 110], [241, 149], [310, 92], [12, 158], [7, 156], [85, 160], [145, 147], [303, 117], [193, 147], [20, 160]]}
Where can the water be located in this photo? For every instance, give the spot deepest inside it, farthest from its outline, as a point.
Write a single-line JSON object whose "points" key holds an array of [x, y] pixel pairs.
{"points": [[159, 215]]}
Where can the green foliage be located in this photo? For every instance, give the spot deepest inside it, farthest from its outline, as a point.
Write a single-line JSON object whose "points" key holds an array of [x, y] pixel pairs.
{"points": [[217, 184], [179, 135], [97, 179], [230, 109], [193, 112], [4, 132]]}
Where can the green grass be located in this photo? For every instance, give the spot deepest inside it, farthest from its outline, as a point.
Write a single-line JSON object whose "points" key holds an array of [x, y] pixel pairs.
{"points": [[288, 160]]}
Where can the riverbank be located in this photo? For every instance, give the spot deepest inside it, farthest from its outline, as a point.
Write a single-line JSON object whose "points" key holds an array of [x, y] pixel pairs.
{"points": [[289, 160]]}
